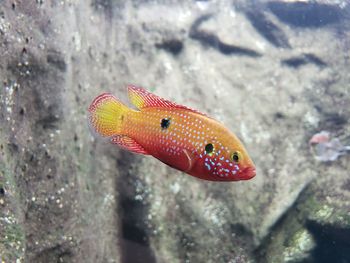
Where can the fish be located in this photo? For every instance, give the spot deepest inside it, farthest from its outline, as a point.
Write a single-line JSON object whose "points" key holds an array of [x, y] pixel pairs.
{"points": [[327, 149], [181, 137]]}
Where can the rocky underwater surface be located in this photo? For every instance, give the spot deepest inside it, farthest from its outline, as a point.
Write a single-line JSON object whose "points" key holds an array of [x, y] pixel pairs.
{"points": [[275, 72]]}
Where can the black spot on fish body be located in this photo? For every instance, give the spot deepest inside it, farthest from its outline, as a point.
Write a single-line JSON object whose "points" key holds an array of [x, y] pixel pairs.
{"points": [[165, 123], [209, 148]]}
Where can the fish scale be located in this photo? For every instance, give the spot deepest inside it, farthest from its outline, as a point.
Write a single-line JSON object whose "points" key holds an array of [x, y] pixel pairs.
{"points": [[181, 137]]}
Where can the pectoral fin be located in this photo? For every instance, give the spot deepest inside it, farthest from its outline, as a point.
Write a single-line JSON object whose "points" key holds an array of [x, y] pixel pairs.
{"points": [[183, 162]]}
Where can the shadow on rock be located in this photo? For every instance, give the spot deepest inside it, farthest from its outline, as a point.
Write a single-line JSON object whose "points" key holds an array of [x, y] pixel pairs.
{"points": [[306, 14], [132, 212], [211, 40]]}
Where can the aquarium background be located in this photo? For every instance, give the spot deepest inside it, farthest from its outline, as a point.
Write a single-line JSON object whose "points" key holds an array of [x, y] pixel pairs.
{"points": [[274, 72]]}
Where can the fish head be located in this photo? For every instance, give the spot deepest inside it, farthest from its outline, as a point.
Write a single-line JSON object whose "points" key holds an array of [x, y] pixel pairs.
{"points": [[240, 165], [235, 165], [226, 160]]}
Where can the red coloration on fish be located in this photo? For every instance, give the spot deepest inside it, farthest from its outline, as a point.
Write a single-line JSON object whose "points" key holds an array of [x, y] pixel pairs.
{"points": [[321, 137], [180, 137]]}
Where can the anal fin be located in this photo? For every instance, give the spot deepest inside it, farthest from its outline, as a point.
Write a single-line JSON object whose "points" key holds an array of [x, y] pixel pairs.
{"points": [[128, 143]]}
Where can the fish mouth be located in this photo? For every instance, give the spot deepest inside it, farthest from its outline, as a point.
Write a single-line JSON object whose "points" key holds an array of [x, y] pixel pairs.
{"points": [[248, 173]]}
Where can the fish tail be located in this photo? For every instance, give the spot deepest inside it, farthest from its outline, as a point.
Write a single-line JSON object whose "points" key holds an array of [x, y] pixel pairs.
{"points": [[106, 115]]}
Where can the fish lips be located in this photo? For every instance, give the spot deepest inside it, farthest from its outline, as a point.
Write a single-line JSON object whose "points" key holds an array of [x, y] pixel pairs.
{"points": [[247, 173]]}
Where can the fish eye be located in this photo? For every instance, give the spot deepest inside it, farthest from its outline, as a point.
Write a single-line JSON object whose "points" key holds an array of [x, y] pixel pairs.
{"points": [[165, 123], [236, 156], [209, 148]]}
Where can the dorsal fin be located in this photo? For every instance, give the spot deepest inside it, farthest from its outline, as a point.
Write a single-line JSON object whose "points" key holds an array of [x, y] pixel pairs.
{"points": [[142, 99]]}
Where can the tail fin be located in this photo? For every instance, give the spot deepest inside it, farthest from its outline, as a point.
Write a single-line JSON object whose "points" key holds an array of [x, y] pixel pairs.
{"points": [[106, 114]]}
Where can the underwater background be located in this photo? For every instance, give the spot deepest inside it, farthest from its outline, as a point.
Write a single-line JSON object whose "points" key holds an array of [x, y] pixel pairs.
{"points": [[276, 73]]}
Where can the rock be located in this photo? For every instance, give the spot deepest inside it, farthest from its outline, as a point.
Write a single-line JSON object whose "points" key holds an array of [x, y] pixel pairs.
{"points": [[316, 228], [66, 196]]}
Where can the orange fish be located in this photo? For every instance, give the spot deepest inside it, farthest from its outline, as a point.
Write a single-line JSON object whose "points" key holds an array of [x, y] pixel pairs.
{"points": [[180, 137]]}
